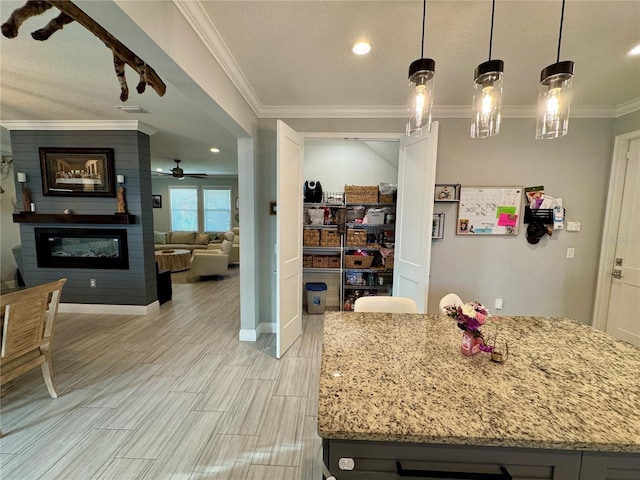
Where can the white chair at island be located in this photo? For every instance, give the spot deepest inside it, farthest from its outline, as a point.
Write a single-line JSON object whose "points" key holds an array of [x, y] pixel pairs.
{"points": [[449, 299], [384, 304]]}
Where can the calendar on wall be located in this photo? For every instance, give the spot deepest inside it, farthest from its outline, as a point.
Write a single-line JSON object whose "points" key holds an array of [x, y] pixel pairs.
{"points": [[489, 210]]}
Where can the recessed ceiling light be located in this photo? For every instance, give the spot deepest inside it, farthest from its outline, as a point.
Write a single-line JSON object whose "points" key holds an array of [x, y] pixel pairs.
{"points": [[635, 50], [214, 150], [159, 170], [361, 48]]}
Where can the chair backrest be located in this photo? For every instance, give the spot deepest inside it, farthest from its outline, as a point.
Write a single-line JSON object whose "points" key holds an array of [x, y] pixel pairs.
{"points": [[226, 246], [385, 304], [449, 299], [27, 318]]}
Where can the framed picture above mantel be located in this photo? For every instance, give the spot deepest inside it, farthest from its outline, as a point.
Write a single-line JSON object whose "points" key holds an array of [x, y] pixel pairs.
{"points": [[77, 172]]}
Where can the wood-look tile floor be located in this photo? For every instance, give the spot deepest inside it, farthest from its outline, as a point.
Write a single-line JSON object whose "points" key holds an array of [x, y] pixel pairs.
{"points": [[172, 395]]}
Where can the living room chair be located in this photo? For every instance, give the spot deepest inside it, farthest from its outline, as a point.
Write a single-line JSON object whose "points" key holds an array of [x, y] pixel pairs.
{"points": [[28, 318], [385, 304], [224, 248], [205, 263]]}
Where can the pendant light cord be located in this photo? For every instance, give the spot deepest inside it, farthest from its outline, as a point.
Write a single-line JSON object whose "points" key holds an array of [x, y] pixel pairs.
{"points": [[493, 11], [424, 22], [560, 35]]}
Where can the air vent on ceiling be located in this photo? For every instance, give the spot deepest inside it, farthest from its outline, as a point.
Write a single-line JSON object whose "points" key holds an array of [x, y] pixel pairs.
{"points": [[131, 108]]}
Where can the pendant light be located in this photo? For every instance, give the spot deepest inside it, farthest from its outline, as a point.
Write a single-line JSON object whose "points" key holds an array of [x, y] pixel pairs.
{"points": [[487, 93], [554, 98], [420, 98]]}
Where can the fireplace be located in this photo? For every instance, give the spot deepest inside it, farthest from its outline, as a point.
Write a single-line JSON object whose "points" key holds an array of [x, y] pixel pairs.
{"points": [[82, 248]]}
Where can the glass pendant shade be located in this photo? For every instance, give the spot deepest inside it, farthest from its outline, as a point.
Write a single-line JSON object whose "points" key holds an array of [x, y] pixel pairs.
{"points": [[420, 98], [554, 100], [487, 99]]}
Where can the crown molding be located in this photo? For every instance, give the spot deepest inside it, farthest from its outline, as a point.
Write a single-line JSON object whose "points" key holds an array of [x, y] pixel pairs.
{"points": [[202, 25], [628, 107], [78, 125]]}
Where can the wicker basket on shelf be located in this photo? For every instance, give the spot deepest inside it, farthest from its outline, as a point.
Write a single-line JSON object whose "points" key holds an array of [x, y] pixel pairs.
{"points": [[357, 261], [311, 237], [334, 261], [307, 261], [356, 237], [361, 194], [320, 261], [329, 238]]}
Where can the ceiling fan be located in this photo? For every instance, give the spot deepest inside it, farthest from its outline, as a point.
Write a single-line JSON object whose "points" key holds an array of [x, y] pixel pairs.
{"points": [[178, 172]]}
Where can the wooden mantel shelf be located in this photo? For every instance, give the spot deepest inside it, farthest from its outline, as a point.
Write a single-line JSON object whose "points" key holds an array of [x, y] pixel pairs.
{"points": [[115, 219]]}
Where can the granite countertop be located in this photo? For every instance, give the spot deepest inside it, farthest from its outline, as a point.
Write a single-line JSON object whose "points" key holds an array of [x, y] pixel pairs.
{"points": [[402, 378]]}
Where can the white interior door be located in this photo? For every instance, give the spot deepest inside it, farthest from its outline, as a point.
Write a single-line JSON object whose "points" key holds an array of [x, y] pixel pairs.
{"points": [[624, 296], [290, 156], [414, 216]]}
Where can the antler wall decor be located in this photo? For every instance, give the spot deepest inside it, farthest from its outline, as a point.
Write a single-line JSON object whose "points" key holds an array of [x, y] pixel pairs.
{"points": [[69, 13]]}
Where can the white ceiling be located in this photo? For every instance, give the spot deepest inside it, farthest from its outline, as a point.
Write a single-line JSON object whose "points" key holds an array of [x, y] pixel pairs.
{"points": [[292, 59]]}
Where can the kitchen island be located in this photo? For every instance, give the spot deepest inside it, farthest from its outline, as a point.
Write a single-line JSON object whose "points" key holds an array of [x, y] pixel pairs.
{"points": [[396, 394]]}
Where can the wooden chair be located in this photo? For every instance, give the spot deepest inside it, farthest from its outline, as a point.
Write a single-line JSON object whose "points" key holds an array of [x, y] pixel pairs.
{"points": [[384, 304], [27, 329]]}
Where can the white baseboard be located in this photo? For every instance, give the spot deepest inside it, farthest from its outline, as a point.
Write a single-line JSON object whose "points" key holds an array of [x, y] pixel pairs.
{"points": [[248, 335], [11, 284], [113, 309]]}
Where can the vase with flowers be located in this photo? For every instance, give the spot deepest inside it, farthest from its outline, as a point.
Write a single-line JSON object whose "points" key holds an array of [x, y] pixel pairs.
{"points": [[469, 318]]}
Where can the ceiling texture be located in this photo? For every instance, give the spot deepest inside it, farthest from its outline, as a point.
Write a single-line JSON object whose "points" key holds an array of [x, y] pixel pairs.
{"points": [[292, 59]]}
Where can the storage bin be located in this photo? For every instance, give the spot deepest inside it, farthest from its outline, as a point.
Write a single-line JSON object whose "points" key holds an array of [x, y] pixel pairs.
{"points": [[357, 261], [355, 213], [388, 261], [383, 198], [320, 261], [311, 237], [329, 238], [361, 194], [307, 261], [334, 261], [356, 237], [316, 297], [375, 217]]}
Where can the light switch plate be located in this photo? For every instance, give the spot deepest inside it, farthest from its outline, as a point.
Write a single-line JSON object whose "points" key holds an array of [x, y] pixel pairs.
{"points": [[571, 252], [573, 226]]}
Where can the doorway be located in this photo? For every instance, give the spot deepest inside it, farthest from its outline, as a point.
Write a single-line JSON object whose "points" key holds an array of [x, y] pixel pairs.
{"points": [[618, 290]]}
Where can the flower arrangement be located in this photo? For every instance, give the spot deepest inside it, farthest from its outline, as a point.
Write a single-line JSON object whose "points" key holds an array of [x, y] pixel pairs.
{"points": [[470, 317]]}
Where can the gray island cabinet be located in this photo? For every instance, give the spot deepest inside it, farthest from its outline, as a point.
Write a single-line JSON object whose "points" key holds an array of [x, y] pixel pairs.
{"points": [[398, 400]]}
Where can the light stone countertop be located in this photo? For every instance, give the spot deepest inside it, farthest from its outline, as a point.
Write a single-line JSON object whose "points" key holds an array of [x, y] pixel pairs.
{"points": [[402, 378]]}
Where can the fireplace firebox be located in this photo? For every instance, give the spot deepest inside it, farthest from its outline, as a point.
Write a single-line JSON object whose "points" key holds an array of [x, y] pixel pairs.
{"points": [[82, 248]]}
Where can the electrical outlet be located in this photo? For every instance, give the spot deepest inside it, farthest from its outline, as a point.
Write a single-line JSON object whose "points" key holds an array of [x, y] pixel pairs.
{"points": [[92, 283], [573, 226], [498, 303], [571, 252]]}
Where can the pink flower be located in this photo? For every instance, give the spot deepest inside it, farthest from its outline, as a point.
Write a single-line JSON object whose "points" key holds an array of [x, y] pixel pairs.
{"points": [[481, 318]]}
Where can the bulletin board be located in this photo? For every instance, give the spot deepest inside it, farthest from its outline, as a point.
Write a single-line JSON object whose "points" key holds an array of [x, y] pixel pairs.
{"points": [[489, 210]]}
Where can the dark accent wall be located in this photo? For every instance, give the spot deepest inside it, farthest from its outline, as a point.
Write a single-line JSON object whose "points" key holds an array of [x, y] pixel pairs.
{"points": [[137, 284]]}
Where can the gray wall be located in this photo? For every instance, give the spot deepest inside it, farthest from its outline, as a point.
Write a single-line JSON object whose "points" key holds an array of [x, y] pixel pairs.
{"points": [[530, 279], [135, 286], [627, 123], [160, 186]]}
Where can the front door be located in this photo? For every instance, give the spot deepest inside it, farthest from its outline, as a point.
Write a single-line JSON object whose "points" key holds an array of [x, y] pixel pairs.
{"points": [[290, 156], [414, 215], [624, 296]]}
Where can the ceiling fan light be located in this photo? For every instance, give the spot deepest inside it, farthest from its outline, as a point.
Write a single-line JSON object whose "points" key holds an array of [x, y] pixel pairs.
{"points": [[420, 97], [487, 99], [554, 100]]}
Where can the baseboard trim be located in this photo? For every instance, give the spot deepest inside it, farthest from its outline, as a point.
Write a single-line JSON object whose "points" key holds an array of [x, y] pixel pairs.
{"points": [[112, 309], [10, 285], [248, 335]]}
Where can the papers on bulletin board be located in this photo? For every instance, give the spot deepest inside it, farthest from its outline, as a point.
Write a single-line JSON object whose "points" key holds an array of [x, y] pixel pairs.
{"points": [[489, 210]]}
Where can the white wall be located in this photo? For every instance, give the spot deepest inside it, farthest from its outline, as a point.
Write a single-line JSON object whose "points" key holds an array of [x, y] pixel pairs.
{"points": [[9, 231], [337, 163]]}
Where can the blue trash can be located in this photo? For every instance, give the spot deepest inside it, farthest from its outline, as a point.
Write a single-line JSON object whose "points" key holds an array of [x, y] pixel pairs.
{"points": [[316, 296]]}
